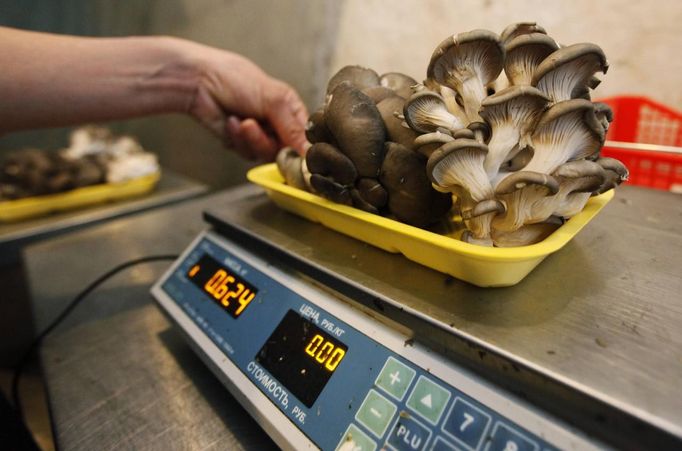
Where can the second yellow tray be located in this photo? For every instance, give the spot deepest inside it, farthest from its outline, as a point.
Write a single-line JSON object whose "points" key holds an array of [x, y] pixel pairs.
{"points": [[479, 265], [30, 207]]}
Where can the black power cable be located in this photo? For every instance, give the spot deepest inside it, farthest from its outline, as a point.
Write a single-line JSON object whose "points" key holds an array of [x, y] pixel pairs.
{"points": [[72, 305]]}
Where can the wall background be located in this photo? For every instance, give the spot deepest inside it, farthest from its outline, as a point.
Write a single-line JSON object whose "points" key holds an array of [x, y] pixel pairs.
{"points": [[305, 41]]}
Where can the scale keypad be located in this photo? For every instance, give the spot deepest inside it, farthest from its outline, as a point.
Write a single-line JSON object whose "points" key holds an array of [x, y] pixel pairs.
{"points": [[424, 413]]}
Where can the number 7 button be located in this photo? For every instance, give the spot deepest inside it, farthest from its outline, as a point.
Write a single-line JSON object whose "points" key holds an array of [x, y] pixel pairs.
{"points": [[466, 424]]}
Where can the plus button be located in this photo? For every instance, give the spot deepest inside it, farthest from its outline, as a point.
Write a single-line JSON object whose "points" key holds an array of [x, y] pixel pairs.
{"points": [[395, 378]]}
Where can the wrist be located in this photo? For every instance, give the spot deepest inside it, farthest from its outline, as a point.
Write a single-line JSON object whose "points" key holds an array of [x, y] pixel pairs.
{"points": [[176, 78]]}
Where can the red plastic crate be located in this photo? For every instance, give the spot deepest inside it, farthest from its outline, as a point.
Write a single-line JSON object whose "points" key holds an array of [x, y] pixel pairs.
{"points": [[657, 161]]}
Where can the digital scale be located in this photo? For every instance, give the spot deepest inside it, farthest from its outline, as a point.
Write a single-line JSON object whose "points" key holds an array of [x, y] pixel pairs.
{"points": [[278, 308]]}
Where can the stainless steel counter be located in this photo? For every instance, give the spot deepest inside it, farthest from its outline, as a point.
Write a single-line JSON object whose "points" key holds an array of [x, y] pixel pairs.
{"points": [[602, 318], [15, 316]]}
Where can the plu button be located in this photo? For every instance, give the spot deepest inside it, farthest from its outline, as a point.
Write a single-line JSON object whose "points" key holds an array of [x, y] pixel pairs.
{"points": [[408, 434], [395, 378], [428, 399]]}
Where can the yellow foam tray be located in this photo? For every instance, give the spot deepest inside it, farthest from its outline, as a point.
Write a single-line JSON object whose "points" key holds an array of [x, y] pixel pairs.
{"points": [[479, 265], [31, 207]]}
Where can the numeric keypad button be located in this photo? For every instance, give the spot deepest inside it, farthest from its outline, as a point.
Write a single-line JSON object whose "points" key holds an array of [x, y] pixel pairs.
{"points": [[466, 424], [504, 438]]}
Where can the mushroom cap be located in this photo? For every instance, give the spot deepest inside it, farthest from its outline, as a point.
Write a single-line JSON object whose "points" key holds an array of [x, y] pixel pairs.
{"points": [[358, 76], [614, 165], [395, 129], [372, 192], [356, 124], [88, 171], [571, 109], [525, 235], [616, 173], [441, 154], [601, 108], [466, 133], [484, 207], [427, 143], [477, 52], [425, 111], [410, 196], [316, 129], [604, 114], [514, 102], [521, 179], [589, 174], [327, 188], [573, 66], [325, 159], [359, 202], [524, 53], [470, 237], [378, 93], [289, 165], [481, 131], [400, 83], [593, 82], [520, 28], [460, 162], [511, 113]]}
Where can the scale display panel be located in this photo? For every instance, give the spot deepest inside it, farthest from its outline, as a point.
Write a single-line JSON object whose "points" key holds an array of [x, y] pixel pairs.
{"points": [[329, 376]]}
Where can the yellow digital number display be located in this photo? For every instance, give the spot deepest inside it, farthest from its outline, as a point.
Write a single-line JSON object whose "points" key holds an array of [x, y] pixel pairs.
{"points": [[226, 288], [325, 352], [302, 356]]}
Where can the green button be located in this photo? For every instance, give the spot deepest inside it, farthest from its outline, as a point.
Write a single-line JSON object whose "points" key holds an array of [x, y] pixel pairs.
{"points": [[395, 378], [428, 399], [355, 440], [375, 413]]}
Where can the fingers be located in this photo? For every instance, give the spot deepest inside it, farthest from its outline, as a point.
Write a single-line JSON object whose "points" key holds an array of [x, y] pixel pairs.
{"points": [[287, 114], [249, 140]]}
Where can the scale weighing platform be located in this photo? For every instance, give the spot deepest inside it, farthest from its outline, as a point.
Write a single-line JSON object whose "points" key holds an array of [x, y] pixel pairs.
{"points": [[289, 316]]}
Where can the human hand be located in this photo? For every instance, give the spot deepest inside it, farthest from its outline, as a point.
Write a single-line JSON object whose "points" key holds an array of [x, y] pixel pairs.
{"points": [[253, 113]]}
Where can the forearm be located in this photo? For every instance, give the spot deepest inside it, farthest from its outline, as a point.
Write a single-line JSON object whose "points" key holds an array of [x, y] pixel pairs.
{"points": [[51, 80]]}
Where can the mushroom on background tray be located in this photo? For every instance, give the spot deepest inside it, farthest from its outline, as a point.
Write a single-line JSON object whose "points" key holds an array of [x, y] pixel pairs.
{"points": [[501, 136], [94, 156]]}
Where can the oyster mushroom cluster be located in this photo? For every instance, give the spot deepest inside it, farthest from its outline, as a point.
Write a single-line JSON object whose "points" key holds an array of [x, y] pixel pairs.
{"points": [[512, 132], [504, 124], [94, 156], [362, 155]]}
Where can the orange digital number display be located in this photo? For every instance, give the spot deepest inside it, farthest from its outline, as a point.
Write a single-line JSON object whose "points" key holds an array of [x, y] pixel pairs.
{"points": [[222, 285]]}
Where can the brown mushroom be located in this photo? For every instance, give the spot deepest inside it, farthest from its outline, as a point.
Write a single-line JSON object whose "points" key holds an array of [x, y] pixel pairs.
{"points": [[400, 83], [395, 130], [326, 160], [356, 124], [358, 76], [410, 196]]}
